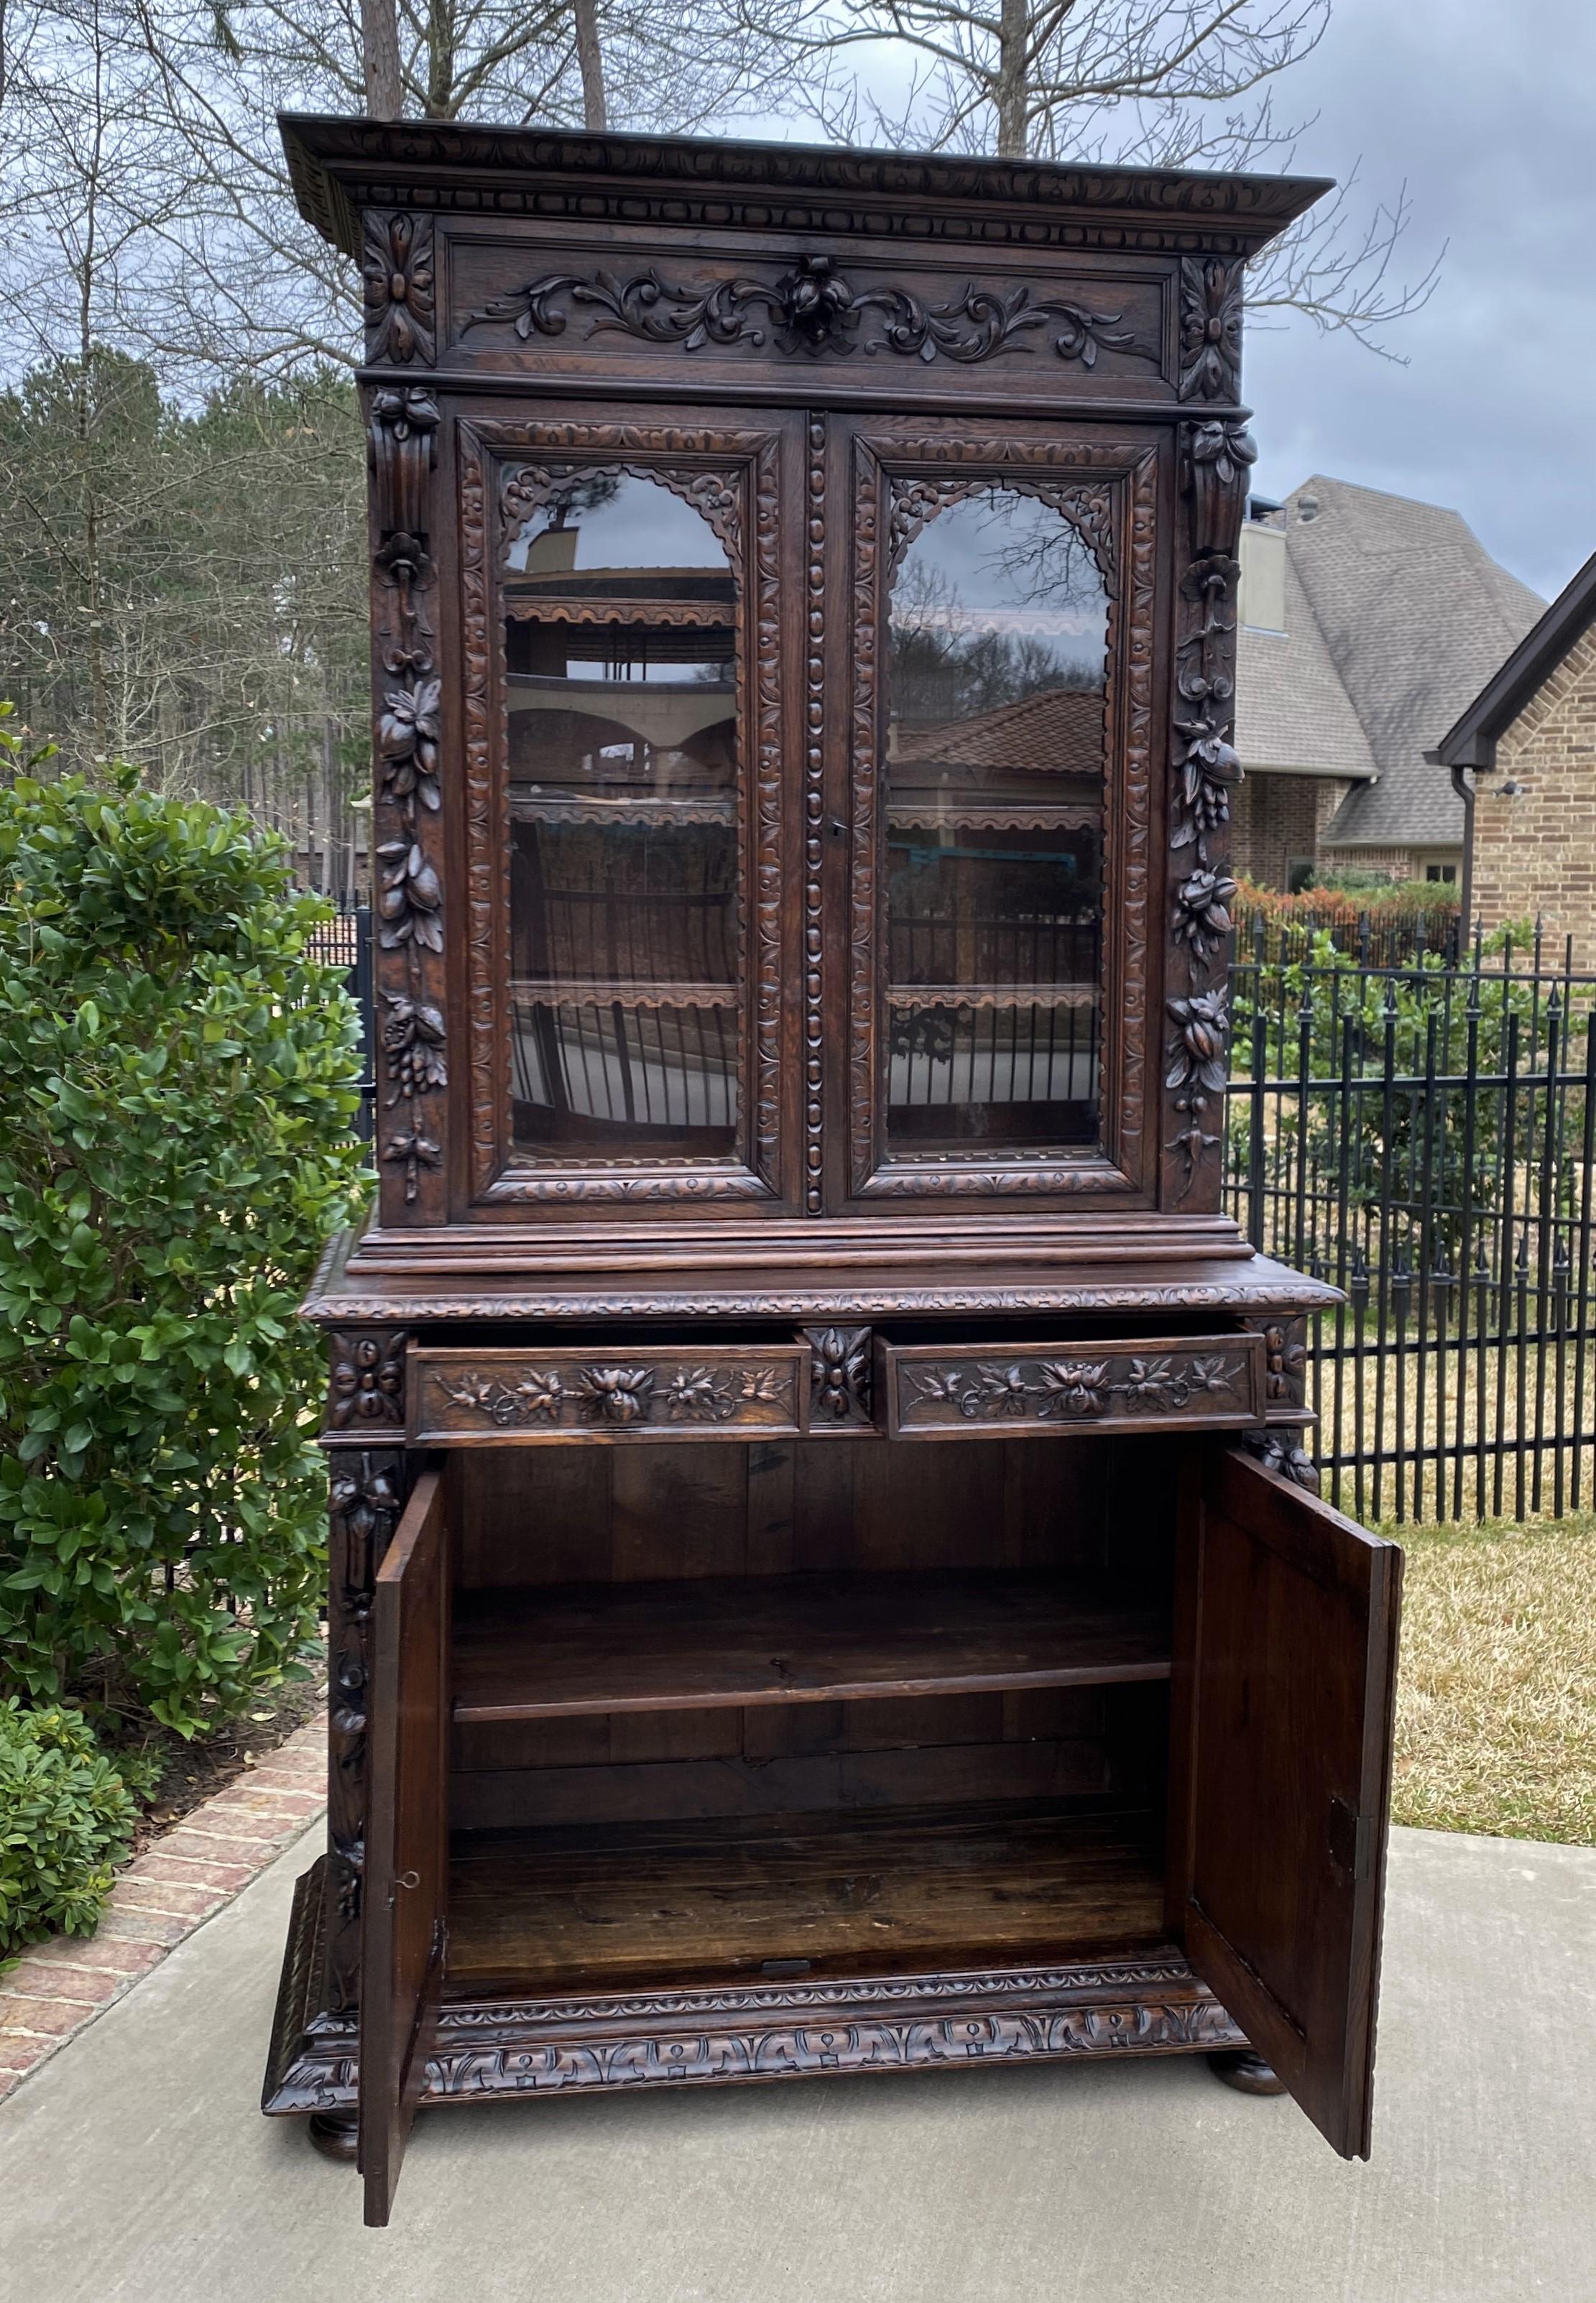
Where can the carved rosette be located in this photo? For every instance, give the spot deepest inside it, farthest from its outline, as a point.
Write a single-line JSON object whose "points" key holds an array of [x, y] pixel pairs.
{"points": [[398, 276], [839, 1376], [401, 436], [366, 1495], [1211, 310], [364, 1383]]}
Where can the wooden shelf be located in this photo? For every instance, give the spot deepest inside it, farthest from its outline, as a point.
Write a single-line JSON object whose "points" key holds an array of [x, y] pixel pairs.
{"points": [[609, 1908], [800, 1638]]}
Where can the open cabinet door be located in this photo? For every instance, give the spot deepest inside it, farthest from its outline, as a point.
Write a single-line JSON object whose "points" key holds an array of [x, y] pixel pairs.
{"points": [[1285, 1670], [407, 1835]]}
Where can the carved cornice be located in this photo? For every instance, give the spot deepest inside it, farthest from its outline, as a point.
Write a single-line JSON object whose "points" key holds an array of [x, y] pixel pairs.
{"points": [[812, 310], [339, 166]]}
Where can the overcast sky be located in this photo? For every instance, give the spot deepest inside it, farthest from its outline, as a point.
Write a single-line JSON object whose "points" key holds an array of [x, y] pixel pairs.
{"points": [[1488, 107]]}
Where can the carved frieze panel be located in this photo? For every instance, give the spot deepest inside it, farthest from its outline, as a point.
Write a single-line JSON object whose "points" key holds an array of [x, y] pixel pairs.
{"points": [[521, 1397], [811, 306]]}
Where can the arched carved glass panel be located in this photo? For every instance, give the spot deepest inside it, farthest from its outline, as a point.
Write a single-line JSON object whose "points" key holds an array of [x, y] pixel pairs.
{"points": [[620, 608], [994, 775]]}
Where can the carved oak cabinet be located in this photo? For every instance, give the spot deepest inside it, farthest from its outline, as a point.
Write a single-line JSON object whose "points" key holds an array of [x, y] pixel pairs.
{"points": [[825, 1569]]}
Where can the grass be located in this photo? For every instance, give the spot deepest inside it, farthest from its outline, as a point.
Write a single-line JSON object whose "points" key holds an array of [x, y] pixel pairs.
{"points": [[1496, 1708]]}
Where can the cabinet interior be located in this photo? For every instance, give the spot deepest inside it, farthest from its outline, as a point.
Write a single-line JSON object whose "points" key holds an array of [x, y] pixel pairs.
{"points": [[820, 1708]]}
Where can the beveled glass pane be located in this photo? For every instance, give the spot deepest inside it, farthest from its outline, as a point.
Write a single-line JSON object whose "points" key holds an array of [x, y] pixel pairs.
{"points": [[994, 814], [618, 602]]}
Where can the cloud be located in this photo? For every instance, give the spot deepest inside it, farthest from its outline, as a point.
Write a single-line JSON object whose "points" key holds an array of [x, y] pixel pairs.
{"points": [[1484, 106]]}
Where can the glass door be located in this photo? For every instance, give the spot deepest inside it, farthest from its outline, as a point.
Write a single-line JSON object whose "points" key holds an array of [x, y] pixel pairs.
{"points": [[996, 934], [639, 989]]}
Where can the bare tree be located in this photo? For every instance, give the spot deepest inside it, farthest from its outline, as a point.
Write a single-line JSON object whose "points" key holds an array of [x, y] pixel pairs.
{"points": [[238, 281], [379, 52], [1157, 83]]}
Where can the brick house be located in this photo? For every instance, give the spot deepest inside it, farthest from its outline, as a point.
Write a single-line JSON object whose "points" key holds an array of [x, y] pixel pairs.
{"points": [[1366, 622], [1523, 756]]}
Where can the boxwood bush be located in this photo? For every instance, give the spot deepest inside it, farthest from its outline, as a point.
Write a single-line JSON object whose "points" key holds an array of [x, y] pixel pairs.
{"points": [[177, 1082], [66, 1819]]}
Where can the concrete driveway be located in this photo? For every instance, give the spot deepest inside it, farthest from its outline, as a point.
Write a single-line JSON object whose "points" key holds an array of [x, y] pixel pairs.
{"points": [[135, 2167]]}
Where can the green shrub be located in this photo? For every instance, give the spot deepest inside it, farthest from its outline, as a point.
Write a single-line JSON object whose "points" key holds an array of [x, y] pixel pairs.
{"points": [[66, 1816], [177, 1080]]}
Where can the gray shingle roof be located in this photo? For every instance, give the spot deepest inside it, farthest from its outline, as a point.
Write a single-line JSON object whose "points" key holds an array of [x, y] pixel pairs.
{"points": [[1415, 616], [1292, 712]]}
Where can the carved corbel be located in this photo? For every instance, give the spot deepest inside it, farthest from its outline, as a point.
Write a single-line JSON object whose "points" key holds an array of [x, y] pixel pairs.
{"points": [[402, 449], [1217, 460]]}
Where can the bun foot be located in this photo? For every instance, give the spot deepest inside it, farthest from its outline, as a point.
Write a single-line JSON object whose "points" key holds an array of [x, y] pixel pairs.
{"points": [[334, 2134], [1246, 2069]]}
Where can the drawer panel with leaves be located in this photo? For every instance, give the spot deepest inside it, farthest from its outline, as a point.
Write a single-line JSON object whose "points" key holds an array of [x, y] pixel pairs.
{"points": [[968, 1391], [522, 1396]]}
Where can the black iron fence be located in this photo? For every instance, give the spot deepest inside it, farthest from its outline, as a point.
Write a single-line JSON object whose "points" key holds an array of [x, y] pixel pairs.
{"points": [[346, 941], [1422, 1135]]}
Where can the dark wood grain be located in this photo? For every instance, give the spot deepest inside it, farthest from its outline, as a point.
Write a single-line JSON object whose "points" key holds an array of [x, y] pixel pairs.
{"points": [[807, 1639], [809, 1619], [1292, 1613], [601, 1907], [406, 1876]]}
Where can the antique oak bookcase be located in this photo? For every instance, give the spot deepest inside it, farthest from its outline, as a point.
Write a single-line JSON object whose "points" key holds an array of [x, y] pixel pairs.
{"points": [[826, 1572]]}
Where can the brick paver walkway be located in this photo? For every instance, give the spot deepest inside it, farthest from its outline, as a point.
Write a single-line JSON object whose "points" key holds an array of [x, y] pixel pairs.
{"points": [[196, 1867]]}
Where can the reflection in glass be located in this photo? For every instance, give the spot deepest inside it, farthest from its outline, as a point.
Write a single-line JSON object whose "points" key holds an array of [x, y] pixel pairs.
{"points": [[994, 810], [619, 640]]}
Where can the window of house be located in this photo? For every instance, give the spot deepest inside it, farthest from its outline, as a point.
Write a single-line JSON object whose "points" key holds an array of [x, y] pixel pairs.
{"points": [[1440, 871]]}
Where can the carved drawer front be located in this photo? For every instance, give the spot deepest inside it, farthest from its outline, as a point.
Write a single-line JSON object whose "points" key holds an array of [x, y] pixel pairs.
{"points": [[974, 1391], [519, 1398]]}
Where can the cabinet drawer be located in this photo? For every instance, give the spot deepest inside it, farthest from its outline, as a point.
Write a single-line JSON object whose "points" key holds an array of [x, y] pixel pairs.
{"points": [[970, 1391], [519, 1398]]}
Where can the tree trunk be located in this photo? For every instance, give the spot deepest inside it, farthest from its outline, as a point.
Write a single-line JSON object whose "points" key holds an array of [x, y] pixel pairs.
{"points": [[379, 57], [1012, 87], [590, 58]]}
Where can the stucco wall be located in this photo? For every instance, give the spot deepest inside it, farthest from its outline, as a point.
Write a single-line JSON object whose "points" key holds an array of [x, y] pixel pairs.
{"points": [[1535, 851]]}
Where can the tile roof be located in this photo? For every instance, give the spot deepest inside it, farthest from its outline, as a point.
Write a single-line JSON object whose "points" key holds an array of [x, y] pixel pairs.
{"points": [[1057, 732], [1292, 712], [1415, 616]]}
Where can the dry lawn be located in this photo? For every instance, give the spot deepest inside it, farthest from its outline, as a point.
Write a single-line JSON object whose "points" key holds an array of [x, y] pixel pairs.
{"points": [[1496, 1711]]}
